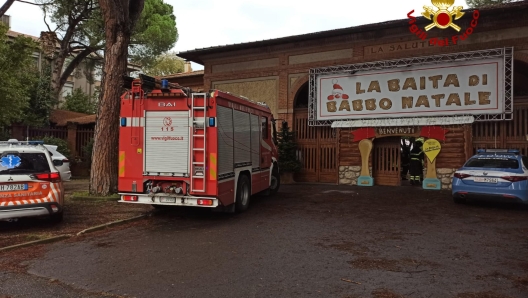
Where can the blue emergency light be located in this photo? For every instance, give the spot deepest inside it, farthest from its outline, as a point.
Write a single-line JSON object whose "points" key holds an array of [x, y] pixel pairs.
{"points": [[35, 142], [511, 151], [15, 141], [211, 121], [123, 121], [164, 84]]}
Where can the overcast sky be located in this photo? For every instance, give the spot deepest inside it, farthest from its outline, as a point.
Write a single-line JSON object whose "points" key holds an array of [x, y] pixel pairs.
{"points": [[206, 23]]}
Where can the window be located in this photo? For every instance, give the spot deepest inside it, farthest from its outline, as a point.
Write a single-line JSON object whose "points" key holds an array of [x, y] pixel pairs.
{"points": [[67, 89], [36, 60], [24, 163], [494, 163], [264, 128]]}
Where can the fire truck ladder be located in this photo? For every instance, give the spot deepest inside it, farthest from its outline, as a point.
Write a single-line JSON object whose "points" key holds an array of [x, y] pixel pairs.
{"points": [[198, 114]]}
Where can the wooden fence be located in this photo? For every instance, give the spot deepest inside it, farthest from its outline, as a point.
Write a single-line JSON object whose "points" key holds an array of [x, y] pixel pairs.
{"points": [[56, 132], [504, 134]]}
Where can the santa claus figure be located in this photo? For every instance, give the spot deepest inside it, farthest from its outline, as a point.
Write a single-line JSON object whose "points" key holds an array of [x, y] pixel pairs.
{"points": [[337, 92]]}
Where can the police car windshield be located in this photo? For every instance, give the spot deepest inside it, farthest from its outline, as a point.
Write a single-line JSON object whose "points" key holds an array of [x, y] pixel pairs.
{"points": [[495, 163], [23, 163]]}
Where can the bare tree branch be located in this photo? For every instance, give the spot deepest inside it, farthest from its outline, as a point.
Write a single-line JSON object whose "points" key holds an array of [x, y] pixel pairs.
{"points": [[32, 3], [6, 6], [73, 64], [46, 22]]}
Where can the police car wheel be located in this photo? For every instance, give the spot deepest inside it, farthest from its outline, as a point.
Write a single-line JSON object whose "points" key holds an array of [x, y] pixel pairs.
{"points": [[459, 200]]}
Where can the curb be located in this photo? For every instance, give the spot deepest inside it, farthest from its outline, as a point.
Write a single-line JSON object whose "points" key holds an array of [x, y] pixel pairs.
{"points": [[42, 241], [106, 225], [65, 236], [94, 199]]}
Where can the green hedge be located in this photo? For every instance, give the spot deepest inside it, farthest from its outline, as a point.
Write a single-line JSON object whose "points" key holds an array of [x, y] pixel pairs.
{"points": [[62, 145]]}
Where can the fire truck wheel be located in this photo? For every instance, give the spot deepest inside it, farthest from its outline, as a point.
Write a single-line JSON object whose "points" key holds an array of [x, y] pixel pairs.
{"points": [[243, 193], [274, 183]]}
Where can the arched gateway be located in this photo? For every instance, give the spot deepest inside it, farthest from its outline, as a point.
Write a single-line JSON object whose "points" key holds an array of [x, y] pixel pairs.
{"points": [[317, 145]]}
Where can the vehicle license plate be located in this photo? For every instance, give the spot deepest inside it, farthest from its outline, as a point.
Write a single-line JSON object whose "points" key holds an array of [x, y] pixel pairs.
{"points": [[167, 200], [12, 187], [486, 179]]}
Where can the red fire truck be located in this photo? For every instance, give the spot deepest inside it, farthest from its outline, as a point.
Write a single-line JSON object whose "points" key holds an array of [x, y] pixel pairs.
{"points": [[182, 148]]}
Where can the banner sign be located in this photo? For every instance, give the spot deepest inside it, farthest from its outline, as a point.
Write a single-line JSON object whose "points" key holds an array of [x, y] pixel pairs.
{"points": [[431, 149], [433, 132], [456, 88]]}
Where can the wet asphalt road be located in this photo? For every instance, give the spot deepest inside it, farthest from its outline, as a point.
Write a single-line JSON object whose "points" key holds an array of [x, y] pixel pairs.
{"points": [[309, 241]]}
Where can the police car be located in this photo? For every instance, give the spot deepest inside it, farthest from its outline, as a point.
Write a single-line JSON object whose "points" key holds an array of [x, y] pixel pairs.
{"points": [[30, 185], [492, 174]]}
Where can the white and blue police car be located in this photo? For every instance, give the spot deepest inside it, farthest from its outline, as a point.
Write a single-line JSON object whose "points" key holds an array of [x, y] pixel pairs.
{"points": [[499, 175]]}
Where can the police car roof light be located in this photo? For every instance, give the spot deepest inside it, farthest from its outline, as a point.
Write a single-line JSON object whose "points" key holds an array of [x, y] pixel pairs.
{"points": [[503, 151], [17, 142]]}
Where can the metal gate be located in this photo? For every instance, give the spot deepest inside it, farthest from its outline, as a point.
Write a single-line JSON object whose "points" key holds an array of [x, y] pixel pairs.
{"points": [[317, 150], [504, 134], [386, 161]]}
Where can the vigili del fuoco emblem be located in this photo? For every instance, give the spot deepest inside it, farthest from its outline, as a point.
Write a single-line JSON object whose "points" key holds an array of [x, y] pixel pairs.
{"points": [[442, 17]]}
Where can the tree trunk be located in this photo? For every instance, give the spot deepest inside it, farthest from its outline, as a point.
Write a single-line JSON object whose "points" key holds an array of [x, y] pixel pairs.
{"points": [[5, 7], [56, 72], [119, 17]]}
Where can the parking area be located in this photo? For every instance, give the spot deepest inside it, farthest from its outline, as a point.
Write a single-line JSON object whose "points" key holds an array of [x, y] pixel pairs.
{"points": [[78, 215], [307, 241]]}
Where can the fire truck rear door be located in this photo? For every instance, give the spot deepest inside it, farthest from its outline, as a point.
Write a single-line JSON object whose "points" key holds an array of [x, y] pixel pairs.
{"points": [[166, 143]]}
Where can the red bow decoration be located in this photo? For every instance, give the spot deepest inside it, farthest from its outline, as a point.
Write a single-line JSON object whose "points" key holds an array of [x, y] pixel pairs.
{"points": [[433, 132], [363, 133]]}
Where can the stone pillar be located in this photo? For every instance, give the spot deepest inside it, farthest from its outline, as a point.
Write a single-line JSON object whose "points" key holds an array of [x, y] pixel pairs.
{"points": [[72, 139]]}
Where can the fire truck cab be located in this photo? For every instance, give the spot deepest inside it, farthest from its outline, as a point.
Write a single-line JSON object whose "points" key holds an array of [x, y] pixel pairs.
{"points": [[182, 148]]}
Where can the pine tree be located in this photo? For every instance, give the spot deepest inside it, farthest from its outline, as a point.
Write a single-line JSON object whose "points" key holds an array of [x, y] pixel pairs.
{"points": [[287, 150]]}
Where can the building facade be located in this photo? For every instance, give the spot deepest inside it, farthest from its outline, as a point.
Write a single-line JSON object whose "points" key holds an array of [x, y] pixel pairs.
{"points": [[284, 73]]}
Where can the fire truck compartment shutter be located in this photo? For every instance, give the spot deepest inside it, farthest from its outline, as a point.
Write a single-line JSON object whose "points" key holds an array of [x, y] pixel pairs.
{"points": [[255, 141], [242, 137], [226, 159], [167, 143]]}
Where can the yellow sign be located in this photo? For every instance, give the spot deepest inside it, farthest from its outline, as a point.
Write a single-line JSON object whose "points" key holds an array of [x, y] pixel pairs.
{"points": [[431, 149], [442, 17]]}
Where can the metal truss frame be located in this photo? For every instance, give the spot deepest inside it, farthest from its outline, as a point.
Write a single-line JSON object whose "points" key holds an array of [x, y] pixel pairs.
{"points": [[506, 53]]}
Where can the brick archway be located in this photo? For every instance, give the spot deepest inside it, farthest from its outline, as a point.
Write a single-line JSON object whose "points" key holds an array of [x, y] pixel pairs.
{"points": [[296, 88], [317, 145]]}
